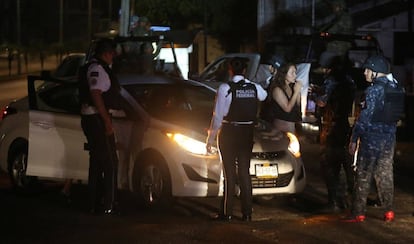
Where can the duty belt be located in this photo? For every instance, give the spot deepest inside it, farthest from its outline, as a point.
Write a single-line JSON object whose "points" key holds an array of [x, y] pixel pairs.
{"points": [[117, 113], [87, 109], [238, 122]]}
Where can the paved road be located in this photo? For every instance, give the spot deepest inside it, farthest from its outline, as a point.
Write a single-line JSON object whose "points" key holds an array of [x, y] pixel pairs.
{"points": [[42, 217]]}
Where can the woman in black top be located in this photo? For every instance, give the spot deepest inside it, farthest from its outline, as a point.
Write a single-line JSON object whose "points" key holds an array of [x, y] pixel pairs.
{"points": [[285, 95]]}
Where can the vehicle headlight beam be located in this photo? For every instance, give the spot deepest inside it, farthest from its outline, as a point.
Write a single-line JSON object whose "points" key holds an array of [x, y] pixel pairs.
{"points": [[294, 146], [189, 144]]}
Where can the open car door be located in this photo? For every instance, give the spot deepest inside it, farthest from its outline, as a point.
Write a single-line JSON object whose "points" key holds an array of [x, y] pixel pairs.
{"points": [[56, 139]]}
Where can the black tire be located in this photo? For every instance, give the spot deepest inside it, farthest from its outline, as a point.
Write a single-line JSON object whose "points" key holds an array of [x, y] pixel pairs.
{"points": [[152, 182], [17, 166]]}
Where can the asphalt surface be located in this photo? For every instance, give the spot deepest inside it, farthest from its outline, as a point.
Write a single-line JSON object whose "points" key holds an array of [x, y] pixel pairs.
{"points": [[44, 216]]}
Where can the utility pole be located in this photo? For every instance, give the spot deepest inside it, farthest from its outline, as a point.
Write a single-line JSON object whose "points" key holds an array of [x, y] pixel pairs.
{"points": [[410, 16], [110, 10], [313, 15], [124, 18], [205, 32], [60, 45], [89, 19], [266, 12], [61, 23], [19, 68]]}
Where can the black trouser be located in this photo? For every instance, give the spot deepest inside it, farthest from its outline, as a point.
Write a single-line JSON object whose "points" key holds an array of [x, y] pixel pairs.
{"points": [[236, 143], [103, 162], [334, 158]]}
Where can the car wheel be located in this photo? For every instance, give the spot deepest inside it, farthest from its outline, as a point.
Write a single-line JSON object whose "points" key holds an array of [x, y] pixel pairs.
{"points": [[153, 183], [18, 166]]}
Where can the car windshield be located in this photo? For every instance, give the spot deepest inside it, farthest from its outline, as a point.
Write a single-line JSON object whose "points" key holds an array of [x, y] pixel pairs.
{"points": [[144, 55], [182, 104], [69, 66]]}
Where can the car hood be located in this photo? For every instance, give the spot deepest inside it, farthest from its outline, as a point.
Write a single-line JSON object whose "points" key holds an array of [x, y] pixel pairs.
{"points": [[268, 140]]}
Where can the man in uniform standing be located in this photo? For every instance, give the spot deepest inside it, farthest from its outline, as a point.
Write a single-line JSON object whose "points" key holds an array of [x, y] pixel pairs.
{"points": [[235, 115], [336, 101], [375, 130], [99, 92]]}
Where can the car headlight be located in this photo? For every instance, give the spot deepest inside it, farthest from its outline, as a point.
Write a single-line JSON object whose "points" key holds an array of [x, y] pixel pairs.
{"points": [[294, 146], [189, 144]]}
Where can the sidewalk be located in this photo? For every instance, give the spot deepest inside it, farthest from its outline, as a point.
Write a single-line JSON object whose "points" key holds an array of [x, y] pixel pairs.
{"points": [[33, 67]]}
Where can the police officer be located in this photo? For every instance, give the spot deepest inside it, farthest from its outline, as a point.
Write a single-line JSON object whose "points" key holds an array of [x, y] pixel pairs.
{"points": [[143, 27], [99, 92], [342, 20], [376, 135], [274, 62], [235, 114], [336, 102]]}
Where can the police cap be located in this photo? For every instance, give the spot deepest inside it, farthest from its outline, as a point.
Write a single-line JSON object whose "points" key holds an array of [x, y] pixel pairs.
{"points": [[377, 63], [104, 45], [276, 61]]}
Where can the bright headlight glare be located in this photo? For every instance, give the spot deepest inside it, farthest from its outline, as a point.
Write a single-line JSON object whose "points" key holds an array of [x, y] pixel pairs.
{"points": [[189, 144], [294, 146]]}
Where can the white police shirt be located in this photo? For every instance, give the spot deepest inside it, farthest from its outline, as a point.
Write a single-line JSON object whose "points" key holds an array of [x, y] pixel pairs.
{"points": [[98, 78], [223, 102]]}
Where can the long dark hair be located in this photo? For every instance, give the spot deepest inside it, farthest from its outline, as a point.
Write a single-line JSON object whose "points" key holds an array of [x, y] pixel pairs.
{"points": [[280, 77]]}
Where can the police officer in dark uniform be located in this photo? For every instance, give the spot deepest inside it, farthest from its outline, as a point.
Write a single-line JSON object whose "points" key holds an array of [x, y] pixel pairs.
{"points": [[375, 132], [235, 115], [274, 62], [99, 92], [336, 104]]}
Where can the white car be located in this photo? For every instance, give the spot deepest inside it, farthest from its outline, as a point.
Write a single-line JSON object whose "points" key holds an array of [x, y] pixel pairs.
{"points": [[41, 137]]}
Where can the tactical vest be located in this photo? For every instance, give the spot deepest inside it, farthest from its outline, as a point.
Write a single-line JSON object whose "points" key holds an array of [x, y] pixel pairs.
{"points": [[112, 97], [393, 108], [243, 107]]}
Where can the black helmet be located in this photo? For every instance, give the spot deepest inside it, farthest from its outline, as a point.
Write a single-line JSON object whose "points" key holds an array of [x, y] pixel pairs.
{"points": [[276, 61], [377, 63], [104, 45], [329, 59]]}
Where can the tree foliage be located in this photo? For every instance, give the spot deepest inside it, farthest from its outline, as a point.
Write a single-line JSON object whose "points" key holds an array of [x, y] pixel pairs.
{"points": [[175, 13], [233, 22]]}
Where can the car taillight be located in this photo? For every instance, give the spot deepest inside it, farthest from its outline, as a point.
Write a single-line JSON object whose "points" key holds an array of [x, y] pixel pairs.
{"points": [[7, 111]]}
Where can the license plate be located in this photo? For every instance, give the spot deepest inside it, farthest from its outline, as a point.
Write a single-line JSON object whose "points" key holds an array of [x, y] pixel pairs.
{"points": [[267, 170]]}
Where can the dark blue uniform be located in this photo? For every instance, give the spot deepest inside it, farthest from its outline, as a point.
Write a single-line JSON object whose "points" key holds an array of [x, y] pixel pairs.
{"points": [[376, 150], [337, 99]]}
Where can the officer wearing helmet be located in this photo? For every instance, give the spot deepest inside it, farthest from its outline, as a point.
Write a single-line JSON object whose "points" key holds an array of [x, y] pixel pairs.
{"points": [[375, 131], [99, 92], [335, 104]]}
